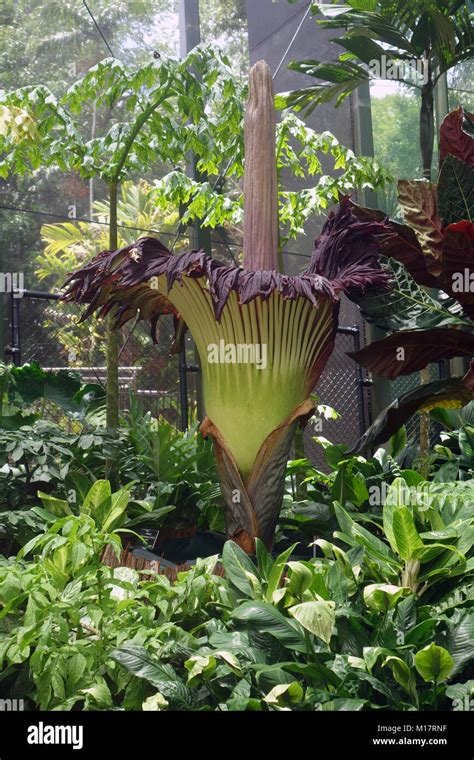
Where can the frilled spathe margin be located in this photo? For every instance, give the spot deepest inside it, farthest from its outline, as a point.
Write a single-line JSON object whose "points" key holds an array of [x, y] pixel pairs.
{"points": [[345, 259]]}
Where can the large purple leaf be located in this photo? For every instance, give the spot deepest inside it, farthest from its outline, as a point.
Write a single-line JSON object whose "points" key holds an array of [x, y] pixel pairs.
{"points": [[410, 351], [401, 244], [458, 390], [456, 136], [457, 264]]}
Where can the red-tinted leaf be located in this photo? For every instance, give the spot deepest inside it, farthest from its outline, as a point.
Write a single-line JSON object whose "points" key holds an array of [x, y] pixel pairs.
{"points": [[457, 275], [459, 390], [419, 203], [456, 136], [407, 352], [402, 245]]}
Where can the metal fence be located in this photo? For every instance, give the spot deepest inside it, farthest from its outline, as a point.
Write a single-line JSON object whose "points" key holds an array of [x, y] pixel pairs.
{"points": [[41, 328]]}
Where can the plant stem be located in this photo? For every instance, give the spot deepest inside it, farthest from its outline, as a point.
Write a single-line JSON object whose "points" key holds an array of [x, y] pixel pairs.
{"points": [[112, 345]]}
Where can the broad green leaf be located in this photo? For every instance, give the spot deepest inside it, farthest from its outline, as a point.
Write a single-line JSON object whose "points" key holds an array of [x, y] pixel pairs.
{"points": [[240, 570], [402, 674], [265, 618], [434, 663], [200, 668], [99, 493], [285, 694], [383, 596], [407, 539], [58, 507], [301, 578], [318, 618]]}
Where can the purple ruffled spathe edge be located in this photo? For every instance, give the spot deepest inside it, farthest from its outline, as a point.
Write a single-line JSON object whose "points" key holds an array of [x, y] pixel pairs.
{"points": [[345, 259]]}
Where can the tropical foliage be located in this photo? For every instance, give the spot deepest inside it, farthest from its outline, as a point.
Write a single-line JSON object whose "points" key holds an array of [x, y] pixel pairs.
{"points": [[433, 250]]}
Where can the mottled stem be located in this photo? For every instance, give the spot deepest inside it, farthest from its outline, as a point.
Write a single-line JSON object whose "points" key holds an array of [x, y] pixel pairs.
{"points": [[260, 175]]}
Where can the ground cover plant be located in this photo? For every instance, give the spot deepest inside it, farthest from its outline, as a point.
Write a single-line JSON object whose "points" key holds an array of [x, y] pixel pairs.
{"points": [[350, 629]]}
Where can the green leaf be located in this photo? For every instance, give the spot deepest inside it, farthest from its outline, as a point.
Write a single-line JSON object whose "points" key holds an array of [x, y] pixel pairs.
{"points": [[405, 305], [301, 578], [459, 639], [99, 493], [265, 618], [58, 507], [200, 668], [398, 441], [240, 570], [407, 539], [402, 674], [462, 695], [285, 694], [434, 663], [383, 596], [318, 618]]}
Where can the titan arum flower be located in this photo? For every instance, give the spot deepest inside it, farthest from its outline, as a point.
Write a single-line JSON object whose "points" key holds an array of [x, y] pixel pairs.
{"points": [[263, 337]]}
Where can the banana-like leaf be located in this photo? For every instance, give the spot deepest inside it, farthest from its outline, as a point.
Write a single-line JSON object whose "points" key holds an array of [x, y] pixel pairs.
{"points": [[343, 77], [452, 393], [409, 351]]}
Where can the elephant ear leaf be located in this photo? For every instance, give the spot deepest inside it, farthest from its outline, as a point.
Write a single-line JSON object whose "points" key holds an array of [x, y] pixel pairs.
{"points": [[452, 393]]}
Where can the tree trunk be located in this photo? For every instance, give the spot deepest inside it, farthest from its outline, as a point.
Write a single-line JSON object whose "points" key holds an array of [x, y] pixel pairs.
{"points": [[427, 123]]}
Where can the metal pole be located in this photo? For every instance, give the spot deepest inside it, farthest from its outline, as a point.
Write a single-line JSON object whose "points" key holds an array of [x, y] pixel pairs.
{"points": [[15, 322], [360, 384], [183, 390], [189, 37]]}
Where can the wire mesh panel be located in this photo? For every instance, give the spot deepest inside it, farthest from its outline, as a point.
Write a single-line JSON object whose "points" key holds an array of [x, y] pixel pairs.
{"points": [[339, 387], [50, 334], [407, 383]]}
